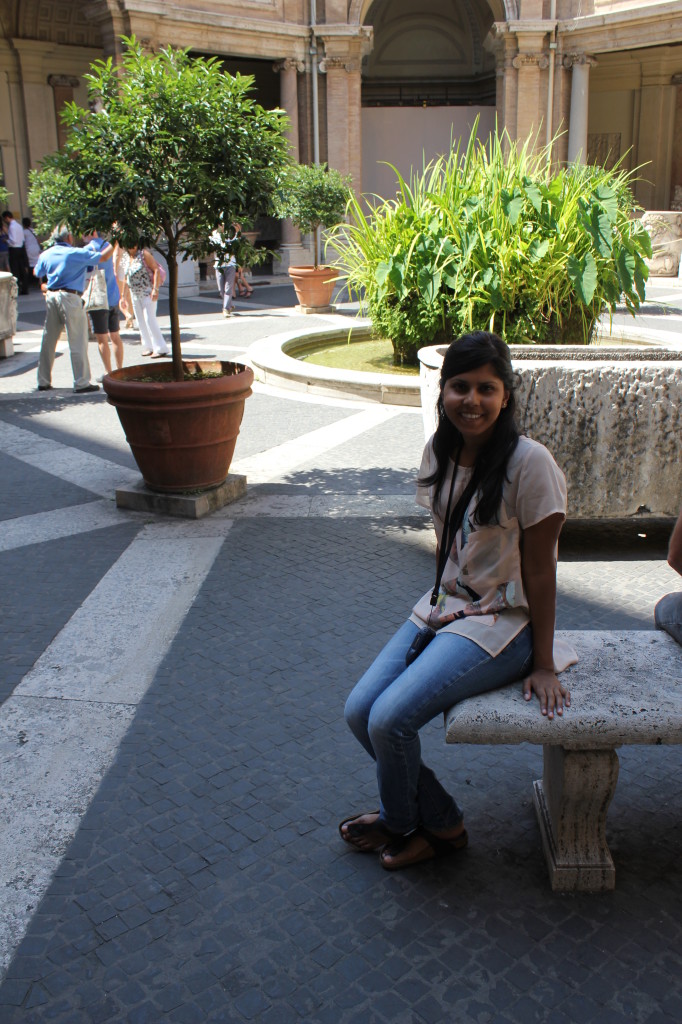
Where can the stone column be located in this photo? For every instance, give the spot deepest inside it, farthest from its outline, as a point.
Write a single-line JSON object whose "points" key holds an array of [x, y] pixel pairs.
{"points": [[580, 94], [291, 250]]}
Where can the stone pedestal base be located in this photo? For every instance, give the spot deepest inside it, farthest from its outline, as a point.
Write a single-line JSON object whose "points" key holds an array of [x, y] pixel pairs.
{"points": [[188, 506], [312, 310], [292, 256], [571, 803], [8, 314]]}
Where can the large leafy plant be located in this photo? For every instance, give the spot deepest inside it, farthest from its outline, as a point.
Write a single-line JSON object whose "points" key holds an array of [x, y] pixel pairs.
{"points": [[493, 238], [171, 146]]}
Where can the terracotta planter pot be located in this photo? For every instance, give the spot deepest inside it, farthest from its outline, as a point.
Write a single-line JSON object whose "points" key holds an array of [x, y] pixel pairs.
{"points": [[314, 286], [182, 434]]}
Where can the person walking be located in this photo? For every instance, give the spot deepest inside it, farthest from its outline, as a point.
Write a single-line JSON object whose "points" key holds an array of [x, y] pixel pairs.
{"points": [[64, 265], [4, 249], [136, 264], [106, 322], [18, 260], [498, 502], [225, 265], [33, 247]]}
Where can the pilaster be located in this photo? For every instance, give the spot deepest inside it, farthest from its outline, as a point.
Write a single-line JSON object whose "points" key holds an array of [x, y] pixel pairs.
{"points": [[344, 48]]}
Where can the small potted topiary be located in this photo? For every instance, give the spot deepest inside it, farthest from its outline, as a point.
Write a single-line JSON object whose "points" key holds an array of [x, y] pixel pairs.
{"points": [[314, 196]]}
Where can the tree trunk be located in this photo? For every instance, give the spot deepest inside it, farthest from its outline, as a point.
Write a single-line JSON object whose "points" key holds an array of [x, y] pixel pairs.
{"points": [[178, 372]]}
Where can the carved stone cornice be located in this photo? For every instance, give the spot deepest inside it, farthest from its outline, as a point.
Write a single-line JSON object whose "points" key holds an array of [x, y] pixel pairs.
{"points": [[289, 64]]}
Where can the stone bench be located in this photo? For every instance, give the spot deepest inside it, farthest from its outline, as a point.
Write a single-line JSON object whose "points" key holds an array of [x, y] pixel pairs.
{"points": [[626, 688]]}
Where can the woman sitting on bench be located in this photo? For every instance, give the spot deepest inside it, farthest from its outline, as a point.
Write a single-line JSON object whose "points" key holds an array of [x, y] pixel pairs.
{"points": [[498, 502]]}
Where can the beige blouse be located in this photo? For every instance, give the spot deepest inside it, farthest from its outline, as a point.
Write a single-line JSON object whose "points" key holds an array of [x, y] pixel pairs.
{"points": [[481, 594]]}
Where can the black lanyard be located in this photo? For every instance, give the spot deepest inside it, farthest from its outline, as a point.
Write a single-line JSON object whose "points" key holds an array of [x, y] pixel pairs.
{"points": [[452, 524]]}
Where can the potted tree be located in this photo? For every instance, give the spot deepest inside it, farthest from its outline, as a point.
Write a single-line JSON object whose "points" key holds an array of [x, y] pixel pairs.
{"points": [[313, 197], [170, 147]]}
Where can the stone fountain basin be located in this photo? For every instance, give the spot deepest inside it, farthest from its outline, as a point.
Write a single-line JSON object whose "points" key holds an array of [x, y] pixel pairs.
{"points": [[610, 414]]}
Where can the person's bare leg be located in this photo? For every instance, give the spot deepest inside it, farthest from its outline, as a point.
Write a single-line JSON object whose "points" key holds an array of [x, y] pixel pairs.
{"points": [[104, 354], [117, 342]]}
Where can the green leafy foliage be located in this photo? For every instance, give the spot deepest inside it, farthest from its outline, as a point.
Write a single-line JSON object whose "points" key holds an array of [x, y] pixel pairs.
{"points": [[171, 146], [313, 196], [493, 238]]}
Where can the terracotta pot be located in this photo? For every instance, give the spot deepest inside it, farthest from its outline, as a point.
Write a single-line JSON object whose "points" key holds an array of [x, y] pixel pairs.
{"points": [[182, 434], [314, 286]]}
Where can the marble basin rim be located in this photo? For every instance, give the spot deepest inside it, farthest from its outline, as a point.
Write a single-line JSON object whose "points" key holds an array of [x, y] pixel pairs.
{"points": [[274, 361]]}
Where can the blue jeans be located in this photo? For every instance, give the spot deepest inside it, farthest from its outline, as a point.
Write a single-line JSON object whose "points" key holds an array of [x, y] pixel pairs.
{"points": [[668, 615], [392, 701]]}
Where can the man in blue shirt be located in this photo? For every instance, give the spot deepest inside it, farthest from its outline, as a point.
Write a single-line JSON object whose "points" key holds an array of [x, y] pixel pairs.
{"points": [[65, 267]]}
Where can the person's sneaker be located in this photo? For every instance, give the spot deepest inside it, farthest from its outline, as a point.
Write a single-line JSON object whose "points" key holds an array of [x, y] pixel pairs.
{"points": [[227, 312], [87, 389], [45, 387], [100, 379]]}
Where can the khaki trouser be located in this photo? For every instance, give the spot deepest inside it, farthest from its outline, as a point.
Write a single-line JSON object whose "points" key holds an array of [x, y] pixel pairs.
{"points": [[65, 311]]}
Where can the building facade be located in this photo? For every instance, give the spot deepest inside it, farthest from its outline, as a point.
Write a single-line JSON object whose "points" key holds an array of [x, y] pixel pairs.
{"points": [[366, 81]]}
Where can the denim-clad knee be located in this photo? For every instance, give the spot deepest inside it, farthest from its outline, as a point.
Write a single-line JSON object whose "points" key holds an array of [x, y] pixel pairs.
{"points": [[668, 615], [385, 669]]}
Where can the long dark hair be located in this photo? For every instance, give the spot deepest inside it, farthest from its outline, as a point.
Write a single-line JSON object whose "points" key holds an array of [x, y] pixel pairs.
{"points": [[490, 471]]}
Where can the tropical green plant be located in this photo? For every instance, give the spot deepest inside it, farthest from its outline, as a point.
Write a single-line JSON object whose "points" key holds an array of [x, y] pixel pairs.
{"points": [[313, 196], [171, 146], [4, 197], [493, 238]]}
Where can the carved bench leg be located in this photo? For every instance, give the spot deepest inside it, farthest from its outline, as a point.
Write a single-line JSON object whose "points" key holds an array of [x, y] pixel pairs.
{"points": [[571, 802]]}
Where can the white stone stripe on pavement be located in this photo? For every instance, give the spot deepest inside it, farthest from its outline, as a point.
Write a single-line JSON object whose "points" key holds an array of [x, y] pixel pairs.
{"points": [[61, 522], [275, 462], [80, 468], [60, 730]]}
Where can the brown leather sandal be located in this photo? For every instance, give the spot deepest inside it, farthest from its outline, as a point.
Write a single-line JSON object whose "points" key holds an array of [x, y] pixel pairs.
{"points": [[366, 837], [436, 848]]}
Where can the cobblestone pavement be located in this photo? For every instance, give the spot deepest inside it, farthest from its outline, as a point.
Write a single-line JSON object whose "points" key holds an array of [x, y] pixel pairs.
{"points": [[173, 760]]}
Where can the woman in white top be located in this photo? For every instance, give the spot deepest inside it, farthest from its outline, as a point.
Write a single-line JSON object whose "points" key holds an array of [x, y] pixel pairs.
{"points": [[498, 502], [138, 269]]}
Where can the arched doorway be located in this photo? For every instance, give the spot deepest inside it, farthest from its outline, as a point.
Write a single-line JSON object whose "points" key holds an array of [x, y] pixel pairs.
{"points": [[428, 77]]}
